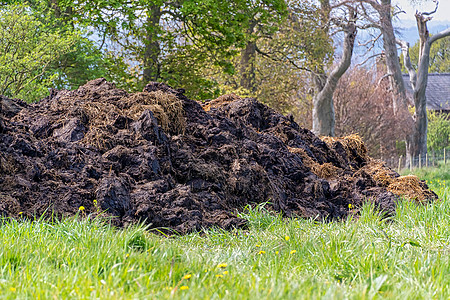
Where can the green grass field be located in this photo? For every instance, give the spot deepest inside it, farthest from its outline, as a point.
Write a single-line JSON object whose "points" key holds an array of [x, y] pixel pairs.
{"points": [[404, 257]]}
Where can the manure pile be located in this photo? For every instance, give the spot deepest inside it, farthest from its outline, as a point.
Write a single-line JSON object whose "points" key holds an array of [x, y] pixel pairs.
{"points": [[158, 157]]}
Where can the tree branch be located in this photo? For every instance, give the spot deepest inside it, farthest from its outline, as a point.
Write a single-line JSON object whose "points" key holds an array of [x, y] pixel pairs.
{"points": [[407, 61], [440, 35], [349, 41], [432, 12]]}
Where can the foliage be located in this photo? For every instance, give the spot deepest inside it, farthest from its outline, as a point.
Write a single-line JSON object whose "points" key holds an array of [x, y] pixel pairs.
{"points": [[67, 58], [438, 135], [276, 258], [169, 37], [85, 62], [28, 47], [439, 56], [281, 63], [194, 49]]}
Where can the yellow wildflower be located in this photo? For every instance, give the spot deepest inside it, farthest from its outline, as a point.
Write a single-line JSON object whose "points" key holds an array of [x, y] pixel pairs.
{"points": [[184, 287], [12, 289], [225, 273], [258, 245], [293, 251], [222, 265], [350, 206], [187, 276], [219, 275], [81, 208], [276, 252], [286, 238], [261, 252]]}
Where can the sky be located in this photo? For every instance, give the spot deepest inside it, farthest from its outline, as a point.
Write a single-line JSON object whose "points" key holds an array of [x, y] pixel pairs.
{"points": [[442, 14]]}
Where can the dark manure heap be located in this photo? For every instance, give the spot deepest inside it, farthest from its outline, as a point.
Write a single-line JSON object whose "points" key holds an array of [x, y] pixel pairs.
{"points": [[160, 158]]}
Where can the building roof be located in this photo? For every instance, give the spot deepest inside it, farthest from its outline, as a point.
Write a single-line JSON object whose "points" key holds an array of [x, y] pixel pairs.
{"points": [[438, 90]]}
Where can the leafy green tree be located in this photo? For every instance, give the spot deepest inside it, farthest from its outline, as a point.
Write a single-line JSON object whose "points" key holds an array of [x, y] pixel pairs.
{"points": [[157, 34], [28, 47]]}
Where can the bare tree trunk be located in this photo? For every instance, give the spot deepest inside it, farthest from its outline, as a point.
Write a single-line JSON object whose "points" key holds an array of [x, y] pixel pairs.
{"points": [[323, 106], [400, 100], [152, 47], [247, 63], [247, 66], [417, 141], [392, 62]]}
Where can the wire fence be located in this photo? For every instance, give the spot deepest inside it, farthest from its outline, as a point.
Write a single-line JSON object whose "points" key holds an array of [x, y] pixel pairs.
{"points": [[430, 159]]}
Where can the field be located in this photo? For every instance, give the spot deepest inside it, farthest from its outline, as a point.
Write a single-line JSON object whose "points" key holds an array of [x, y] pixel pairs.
{"points": [[404, 257]]}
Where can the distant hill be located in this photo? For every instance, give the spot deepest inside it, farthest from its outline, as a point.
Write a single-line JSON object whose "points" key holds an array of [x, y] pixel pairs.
{"points": [[407, 30]]}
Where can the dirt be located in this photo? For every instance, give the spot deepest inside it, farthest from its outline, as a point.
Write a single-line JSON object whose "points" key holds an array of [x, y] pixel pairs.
{"points": [[158, 157]]}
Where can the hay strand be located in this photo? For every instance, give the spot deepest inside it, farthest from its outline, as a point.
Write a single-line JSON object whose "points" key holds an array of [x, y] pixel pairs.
{"points": [[411, 188], [326, 170], [222, 100]]}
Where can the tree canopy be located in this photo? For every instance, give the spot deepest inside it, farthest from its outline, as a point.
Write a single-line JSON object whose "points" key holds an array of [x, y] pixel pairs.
{"points": [[28, 48]]}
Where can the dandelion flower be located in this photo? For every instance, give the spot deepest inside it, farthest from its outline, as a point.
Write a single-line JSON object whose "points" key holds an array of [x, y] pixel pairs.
{"points": [[293, 251], [222, 265], [168, 288], [184, 287], [258, 245], [219, 275], [81, 208], [225, 273], [276, 252], [350, 206], [286, 238], [261, 252], [187, 276], [12, 289], [20, 212]]}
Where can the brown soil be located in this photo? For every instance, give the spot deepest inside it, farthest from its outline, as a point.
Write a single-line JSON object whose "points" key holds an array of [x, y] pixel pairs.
{"points": [[160, 158]]}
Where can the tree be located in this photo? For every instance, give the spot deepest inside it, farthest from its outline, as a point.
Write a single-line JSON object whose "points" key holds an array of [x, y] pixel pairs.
{"points": [[323, 107], [154, 31], [363, 105], [418, 139], [27, 49], [439, 56], [85, 60], [284, 55], [380, 17], [260, 27], [303, 42]]}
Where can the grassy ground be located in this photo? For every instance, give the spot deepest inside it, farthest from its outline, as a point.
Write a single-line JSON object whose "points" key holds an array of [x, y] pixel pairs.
{"points": [[404, 257]]}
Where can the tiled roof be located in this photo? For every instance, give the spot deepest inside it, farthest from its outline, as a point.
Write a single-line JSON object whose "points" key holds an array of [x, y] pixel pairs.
{"points": [[438, 90]]}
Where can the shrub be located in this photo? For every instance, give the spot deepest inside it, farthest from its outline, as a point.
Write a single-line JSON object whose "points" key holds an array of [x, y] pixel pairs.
{"points": [[438, 131]]}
